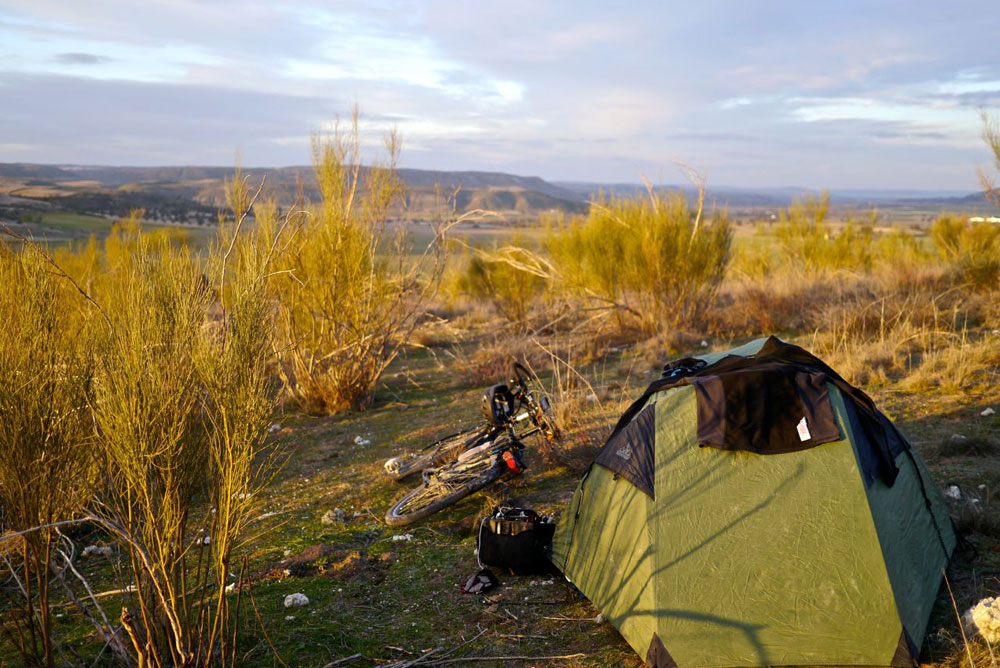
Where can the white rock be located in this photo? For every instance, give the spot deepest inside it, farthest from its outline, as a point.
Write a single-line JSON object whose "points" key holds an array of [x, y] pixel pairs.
{"points": [[289, 618], [953, 492], [102, 550], [333, 516], [296, 600], [274, 427], [987, 412], [704, 344], [361, 440], [599, 619], [984, 618], [207, 540], [957, 437], [402, 536]]}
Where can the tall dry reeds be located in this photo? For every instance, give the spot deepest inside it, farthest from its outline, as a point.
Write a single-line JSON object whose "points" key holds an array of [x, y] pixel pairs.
{"points": [[46, 376]]}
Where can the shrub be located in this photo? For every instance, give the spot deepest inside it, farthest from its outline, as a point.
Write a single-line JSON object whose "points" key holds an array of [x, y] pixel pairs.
{"points": [[45, 385], [809, 242], [351, 293], [972, 249], [506, 285], [183, 402], [652, 261]]}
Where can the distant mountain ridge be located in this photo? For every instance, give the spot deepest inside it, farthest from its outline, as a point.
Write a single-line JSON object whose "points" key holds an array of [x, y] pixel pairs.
{"points": [[779, 197], [111, 191], [508, 193]]}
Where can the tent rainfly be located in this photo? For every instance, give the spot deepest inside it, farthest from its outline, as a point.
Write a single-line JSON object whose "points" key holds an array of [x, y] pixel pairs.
{"points": [[754, 509]]}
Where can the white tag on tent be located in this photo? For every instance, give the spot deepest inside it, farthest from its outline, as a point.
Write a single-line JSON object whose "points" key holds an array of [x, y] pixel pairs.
{"points": [[803, 430]]}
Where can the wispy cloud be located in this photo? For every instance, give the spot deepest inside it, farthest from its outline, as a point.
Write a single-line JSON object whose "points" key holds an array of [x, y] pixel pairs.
{"points": [[760, 93], [76, 58]]}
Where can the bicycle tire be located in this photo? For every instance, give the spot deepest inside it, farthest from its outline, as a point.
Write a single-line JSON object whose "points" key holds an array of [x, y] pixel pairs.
{"points": [[541, 419], [439, 453], [441, 493]]}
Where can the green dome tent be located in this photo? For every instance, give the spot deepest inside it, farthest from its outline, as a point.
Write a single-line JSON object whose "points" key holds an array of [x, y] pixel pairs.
{"points": [[758, 511]]}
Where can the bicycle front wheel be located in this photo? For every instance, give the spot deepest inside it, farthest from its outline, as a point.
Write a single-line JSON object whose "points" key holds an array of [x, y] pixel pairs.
{"points": [[444, 487], [437, 454]]}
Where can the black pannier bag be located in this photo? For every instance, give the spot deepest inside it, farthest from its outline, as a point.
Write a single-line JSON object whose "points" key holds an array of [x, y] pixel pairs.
{"points": [[517, 540]]}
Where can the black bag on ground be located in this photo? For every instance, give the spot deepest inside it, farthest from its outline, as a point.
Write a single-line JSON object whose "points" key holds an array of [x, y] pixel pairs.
{"points": [[516, 539]]}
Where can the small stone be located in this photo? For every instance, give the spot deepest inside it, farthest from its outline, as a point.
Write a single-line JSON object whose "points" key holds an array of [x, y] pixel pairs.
{"points": [[289, 618], [402, 536], [987, 412], [599, 619], [953, 492], [296, 600], [957, 437], [333, 516], [274, 427], [704, 344], [361, 440], [102, 550]]}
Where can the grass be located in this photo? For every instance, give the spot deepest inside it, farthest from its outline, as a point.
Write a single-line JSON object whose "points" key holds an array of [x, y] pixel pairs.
{"points": [[407, 591]]}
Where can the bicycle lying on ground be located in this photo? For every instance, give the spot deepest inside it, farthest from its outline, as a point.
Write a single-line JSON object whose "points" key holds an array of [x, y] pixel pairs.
{"points": [[458, 465]]}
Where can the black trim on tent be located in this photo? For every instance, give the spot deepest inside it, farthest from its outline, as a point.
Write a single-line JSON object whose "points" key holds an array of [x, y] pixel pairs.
{"points": [[872, 467], [906, 654], [658, 656], [631, 452]]}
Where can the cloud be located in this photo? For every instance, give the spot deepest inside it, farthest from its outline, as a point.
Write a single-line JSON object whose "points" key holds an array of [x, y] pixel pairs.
{"points": [[74, 58], [812, 94]]}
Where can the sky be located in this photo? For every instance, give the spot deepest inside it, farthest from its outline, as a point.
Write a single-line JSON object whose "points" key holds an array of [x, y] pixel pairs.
{"points": [[847, 94]]}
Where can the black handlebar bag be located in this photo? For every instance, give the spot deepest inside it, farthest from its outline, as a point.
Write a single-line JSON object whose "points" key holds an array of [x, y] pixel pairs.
{"points": [[517, 540]]}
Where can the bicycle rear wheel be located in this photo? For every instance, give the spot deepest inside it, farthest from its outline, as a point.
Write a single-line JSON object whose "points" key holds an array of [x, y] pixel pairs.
{"points": [[437, 454], [444, 487]]}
